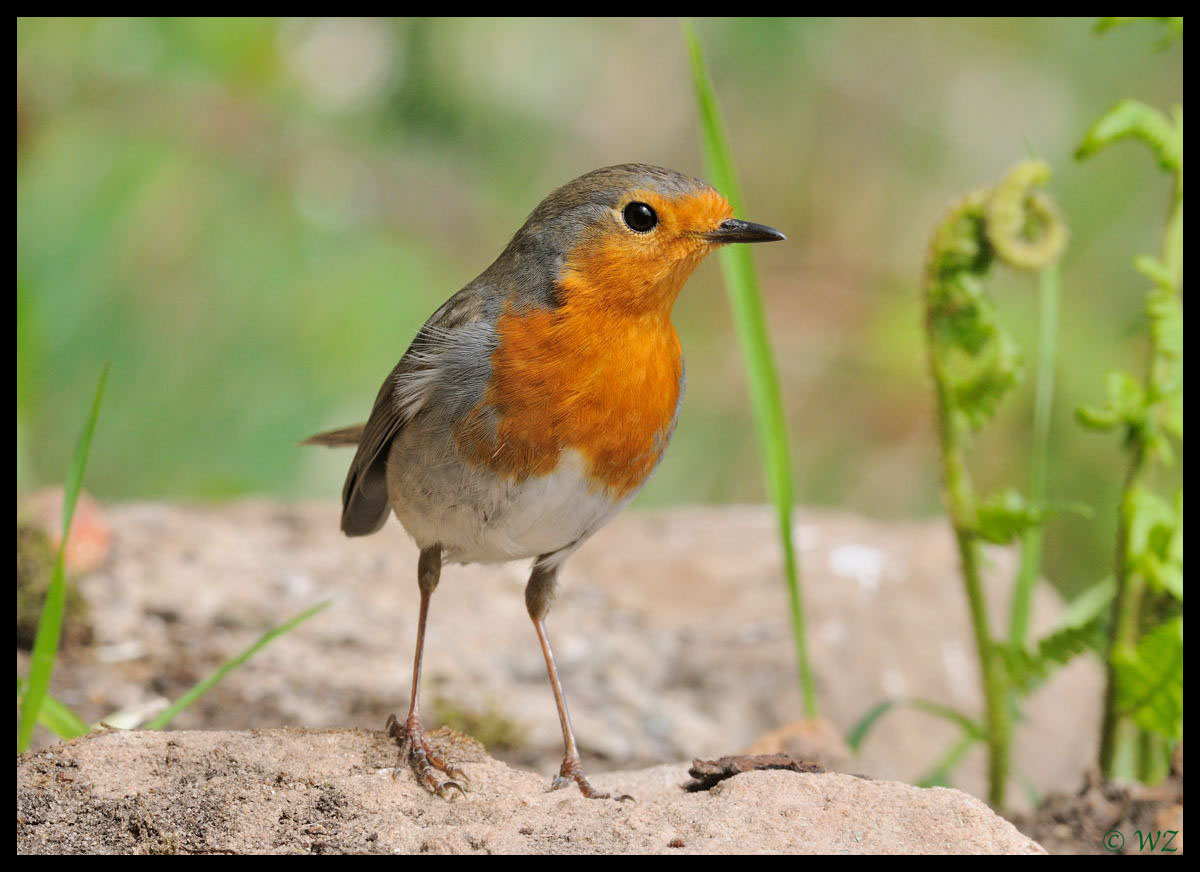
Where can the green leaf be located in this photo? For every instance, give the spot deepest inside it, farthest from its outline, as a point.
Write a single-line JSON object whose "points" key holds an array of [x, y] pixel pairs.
{"points": [[980, 386], [1080, 628], [1109, 22], [1155, 546], [1151, 522], [1169, 577], [1126, 404], [1166, 323], [1175, 550], [45, 643], [1155, 270], [1136, 120], [1027, 670], [975, 362], [770, 421], [1023, 225], [1090, 604], [204, 686], [1150, 680], [1172, 419], [858, 733], [1174, 24], [1165, 311], [1005, 516], [1125, 396], [57, 717], [1096, 418]]}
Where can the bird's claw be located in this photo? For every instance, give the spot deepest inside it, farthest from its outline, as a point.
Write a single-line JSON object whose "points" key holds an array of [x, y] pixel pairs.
{"points": [[426, 765], [572, 773], [444, 790]]}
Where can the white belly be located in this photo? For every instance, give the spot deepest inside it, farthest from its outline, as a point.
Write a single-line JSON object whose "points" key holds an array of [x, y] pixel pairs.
{"points": [[478, 517]]}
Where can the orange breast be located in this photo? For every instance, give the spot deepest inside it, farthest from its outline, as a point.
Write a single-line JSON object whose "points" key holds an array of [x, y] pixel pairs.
{"points": [[600, 380]]}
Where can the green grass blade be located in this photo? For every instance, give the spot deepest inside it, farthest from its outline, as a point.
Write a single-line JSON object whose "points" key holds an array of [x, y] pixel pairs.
{"points": [[1031, 540], [45, 644], [939, 775], [858, 733], [204, 686], [58, 717], [969, 726], [770, 421]]}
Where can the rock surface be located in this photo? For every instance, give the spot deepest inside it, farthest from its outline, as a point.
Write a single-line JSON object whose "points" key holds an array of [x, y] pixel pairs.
{"points": [[332, 791], [671, 631]]}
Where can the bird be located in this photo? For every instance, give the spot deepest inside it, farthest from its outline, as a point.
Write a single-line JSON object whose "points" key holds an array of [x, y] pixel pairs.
{"points": [[534, 404]]}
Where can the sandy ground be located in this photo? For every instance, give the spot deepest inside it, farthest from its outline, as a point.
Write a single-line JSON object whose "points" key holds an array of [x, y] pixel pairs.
{"points": [[332, 791]]}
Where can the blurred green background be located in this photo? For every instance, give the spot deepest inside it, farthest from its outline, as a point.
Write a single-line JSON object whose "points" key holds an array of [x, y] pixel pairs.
{"points": [[251, 218]]}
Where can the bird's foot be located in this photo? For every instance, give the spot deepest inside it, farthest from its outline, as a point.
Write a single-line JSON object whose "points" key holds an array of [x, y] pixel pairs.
{"points": [[571, 772], [424, 761]]}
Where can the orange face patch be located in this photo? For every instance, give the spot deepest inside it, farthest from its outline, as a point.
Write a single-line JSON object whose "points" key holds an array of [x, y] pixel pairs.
{"points": [[617, 268]]}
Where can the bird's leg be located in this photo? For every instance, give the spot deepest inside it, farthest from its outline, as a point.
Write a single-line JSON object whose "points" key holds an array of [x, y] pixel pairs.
{"points": [[539, 593], [414, 749]]}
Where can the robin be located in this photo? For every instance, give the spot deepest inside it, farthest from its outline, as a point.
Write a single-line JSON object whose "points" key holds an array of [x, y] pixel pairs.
{"points": [[534, 404]]}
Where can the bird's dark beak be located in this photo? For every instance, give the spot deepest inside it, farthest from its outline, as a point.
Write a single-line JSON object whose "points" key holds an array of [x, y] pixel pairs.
{"points": [[736, 230]]}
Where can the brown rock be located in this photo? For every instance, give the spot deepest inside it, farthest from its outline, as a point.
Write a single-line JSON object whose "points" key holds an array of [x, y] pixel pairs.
{"points": [[671, 631], [333, 791]]}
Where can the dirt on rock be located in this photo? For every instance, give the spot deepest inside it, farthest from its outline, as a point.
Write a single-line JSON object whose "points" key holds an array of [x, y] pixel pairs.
{"points": [[333, 792]]}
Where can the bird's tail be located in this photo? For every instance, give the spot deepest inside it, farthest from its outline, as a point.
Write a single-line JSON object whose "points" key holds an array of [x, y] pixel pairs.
{"points": [[338, 438]]}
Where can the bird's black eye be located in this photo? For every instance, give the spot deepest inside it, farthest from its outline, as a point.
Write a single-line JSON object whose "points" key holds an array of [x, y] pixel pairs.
{"points": [[640, 217]]}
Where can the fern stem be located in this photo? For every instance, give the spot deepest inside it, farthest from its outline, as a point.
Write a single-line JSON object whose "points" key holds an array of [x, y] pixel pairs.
{"points": [[973, 364], [960, 505]]}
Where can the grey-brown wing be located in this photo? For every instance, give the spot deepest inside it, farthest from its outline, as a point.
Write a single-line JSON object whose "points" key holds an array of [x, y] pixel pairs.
{"points": [[403, 394]]}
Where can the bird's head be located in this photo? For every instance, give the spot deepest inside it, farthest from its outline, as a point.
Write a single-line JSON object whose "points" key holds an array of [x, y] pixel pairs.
{"points": [[628, 237]]}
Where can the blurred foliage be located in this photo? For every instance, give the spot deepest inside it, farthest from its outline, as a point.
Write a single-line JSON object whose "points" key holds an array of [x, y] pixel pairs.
{"points": [[1143, 705], [251, 218]]}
